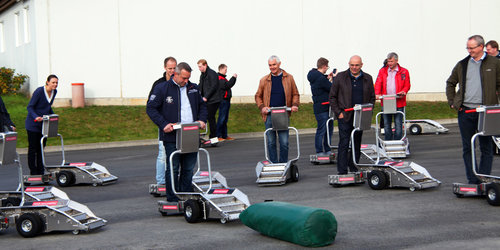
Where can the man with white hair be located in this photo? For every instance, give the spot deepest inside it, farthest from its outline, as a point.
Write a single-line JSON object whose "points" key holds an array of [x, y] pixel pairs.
{"points": [[276, 89]]}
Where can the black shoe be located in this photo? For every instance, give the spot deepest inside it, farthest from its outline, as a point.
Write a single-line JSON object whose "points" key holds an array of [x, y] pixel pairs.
{"points": [[175, 199]]}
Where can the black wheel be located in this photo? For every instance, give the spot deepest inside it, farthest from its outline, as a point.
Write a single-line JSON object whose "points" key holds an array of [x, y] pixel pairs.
{"points": [[295, 173], [415, 129], [11, 202], [29, 225], [192, 211], [493, 194], [65, 178], [377, 180], [459, 195]]}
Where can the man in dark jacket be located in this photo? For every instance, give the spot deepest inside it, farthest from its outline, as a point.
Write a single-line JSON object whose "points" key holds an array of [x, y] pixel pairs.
{"points": [[6, 123], [320, 88], [350, 87], [225, 104], [177, 101], [478, 79], [492, 48], [210, 91], [169, 64]]}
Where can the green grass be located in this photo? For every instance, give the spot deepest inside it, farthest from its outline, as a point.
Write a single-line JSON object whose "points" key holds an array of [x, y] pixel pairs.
{"points": [[122, 123]]}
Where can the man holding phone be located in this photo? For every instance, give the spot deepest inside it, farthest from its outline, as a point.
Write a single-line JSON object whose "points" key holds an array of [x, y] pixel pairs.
{"points": [[320, 89]]}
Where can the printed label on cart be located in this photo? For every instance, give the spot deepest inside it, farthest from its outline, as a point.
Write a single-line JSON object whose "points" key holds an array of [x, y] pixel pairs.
{"points": [[220, 191], [468, 189], [35, 179], [13, 138], [346, 179], [190, 128], [364, 145], [265, 162], [493, 111], [277, 111], [169, 207], [45, 203], [204, 173], [34, 189], [78, 164], [323, 158], [367, 109], [162, 189], [389, 98], [54, 119]]}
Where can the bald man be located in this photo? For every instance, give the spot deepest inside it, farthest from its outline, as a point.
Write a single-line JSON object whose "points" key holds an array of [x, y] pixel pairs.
{"points": [[349, 88]]}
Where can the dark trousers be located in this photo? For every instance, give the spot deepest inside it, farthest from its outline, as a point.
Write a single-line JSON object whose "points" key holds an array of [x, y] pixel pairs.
{"points": [[212, 110], [321, 138], [182, 178], [35, 162], [468, 127], [344, 158], [225, 105]]}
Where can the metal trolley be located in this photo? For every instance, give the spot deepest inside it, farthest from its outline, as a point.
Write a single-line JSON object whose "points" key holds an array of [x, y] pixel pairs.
{"points": [[36, 210], [272, 174], [424, 126], [382, 174], [318, 159], [392, 148], [68, 173], [212, 199], [488, 125]]}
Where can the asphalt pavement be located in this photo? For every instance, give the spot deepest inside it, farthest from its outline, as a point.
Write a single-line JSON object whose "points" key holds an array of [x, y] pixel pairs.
{"points": [[367, 219]]}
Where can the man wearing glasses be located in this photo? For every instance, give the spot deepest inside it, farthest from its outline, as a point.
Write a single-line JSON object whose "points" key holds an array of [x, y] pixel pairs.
{"points": [[478, 79]]}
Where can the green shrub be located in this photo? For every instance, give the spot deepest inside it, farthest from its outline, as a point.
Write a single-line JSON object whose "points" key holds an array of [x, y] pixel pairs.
{"points": [[10, 83]]}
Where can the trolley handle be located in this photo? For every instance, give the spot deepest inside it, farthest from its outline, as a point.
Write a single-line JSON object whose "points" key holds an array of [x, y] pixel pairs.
{"points": [[177, 126], [471, 111], [387, 96], [349, 109], [287, 109]]}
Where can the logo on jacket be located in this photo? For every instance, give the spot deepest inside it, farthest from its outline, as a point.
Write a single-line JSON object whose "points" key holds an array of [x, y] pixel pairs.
{"points": [[152, 97], [169, 99], [403, 76], [192, 91]]}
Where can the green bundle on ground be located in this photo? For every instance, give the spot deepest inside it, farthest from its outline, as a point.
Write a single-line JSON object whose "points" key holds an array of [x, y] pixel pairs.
{"points": [[306, 226]]}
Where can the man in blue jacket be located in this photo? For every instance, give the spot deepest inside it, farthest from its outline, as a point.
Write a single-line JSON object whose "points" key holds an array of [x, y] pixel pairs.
{"points": [[177, 101], [320, 89]]}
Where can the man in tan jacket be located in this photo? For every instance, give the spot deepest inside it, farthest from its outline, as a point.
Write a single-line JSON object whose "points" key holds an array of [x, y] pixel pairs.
{"points": [[276, 89]]}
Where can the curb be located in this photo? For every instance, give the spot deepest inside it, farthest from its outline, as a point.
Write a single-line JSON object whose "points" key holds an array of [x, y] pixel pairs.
{"points": [[119, 144]]}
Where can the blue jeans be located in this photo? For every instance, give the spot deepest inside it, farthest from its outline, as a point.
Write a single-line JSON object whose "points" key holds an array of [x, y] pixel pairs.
{"points": [[321, 139], [344, 156], [398, 124], [271, 143], [182, 182], [160, 164], [224, 107], [468, 127]]}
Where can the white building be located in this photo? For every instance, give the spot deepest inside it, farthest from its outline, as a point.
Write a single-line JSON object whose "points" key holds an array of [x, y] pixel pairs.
{"points": [[117, 47]]}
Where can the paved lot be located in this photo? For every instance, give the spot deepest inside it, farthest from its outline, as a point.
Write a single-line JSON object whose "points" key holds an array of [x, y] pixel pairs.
{"points": [[368, 219]]}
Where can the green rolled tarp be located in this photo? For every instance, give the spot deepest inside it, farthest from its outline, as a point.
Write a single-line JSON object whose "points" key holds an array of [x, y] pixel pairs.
{"points": [[306, 226]]}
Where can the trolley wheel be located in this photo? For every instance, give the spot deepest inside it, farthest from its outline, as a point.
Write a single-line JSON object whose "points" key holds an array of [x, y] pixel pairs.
{"points": [[415, 129], [192, 211], [65, 178], [459, 195], [11, 202], [377, 180], [493, 194], [29, 225], [295, 173], [75, 232], [223, 220]]}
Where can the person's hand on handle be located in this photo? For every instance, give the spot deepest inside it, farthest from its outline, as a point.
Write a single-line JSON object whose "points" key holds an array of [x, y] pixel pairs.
{"points": [[202, 124], [169, 128], [295, 108], [264, 110], [38, 119]]}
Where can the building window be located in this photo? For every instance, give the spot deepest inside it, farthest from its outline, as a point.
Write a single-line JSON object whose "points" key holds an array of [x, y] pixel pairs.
{"points": [[2, 41], [26, 26], [17, 33]]}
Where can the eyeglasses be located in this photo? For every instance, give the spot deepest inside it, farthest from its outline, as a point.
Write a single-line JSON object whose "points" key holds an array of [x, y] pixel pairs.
{"points": [[471, 48]]}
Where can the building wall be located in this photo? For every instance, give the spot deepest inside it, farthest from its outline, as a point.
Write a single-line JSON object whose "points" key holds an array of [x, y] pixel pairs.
{"points": [[117, 47]]}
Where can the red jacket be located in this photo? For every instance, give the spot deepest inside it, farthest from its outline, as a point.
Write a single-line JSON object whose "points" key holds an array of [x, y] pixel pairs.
{"points": [[402, 84]]}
